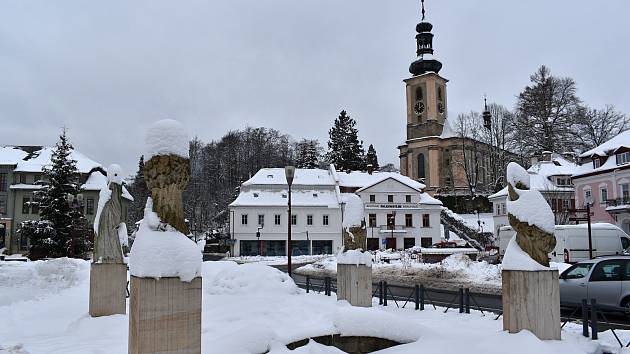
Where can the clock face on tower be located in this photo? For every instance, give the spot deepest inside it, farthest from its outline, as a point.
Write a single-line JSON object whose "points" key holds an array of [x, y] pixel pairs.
{"points": [[418, 107], [440, 107]]}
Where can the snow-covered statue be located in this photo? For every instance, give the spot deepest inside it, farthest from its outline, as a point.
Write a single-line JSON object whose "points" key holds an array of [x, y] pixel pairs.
{"points": [[167, 171], [354, 231], [530, 216], [109, 224]]}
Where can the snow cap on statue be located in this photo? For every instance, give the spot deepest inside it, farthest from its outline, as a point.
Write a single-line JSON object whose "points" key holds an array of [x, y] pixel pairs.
{"points": [[114, 174], [167, 137]]}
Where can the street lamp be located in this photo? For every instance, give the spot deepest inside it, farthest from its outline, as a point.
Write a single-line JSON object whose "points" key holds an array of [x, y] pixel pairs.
{"points": [[258, 237], [289, 172]]}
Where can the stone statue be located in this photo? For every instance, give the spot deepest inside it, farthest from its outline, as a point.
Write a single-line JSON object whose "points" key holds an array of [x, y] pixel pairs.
{"points": [[167, 177], [532, 239], [107, 248]]}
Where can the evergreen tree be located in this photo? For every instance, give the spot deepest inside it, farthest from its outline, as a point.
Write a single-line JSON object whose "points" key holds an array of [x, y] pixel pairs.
{"points": [[307, 154], [371, 158], [344, 148], [139, 191], [55, 235]]}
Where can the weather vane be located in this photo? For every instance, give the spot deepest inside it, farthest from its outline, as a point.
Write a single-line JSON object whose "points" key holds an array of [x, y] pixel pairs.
{"points": [[422, 1]]}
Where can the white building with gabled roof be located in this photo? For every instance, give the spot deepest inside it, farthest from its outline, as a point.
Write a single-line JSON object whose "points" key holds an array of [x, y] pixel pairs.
{"points": [[394, 209]]}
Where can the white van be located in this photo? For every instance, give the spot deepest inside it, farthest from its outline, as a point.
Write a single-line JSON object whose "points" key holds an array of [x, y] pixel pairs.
{"points": [[572, 241]]}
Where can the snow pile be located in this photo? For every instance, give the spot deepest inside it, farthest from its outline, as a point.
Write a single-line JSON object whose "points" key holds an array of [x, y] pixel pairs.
{"points": [[517, 259], [161, 251], [230, 278], [351, 321], [355, 257], [312, 347], [23, 281], [479, 271], [167, 137], [353, 210]]}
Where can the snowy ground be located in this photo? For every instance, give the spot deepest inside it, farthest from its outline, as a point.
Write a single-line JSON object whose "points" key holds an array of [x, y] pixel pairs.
{"points": [[249, 308], [280, 260]]}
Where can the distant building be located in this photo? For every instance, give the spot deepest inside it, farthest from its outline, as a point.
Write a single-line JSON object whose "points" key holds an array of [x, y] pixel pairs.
{"points": [[395, 210], [21, 175], [604, 178], [551, 176]]}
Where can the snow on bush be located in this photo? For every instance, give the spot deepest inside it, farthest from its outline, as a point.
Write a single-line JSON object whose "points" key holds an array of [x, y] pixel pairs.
{"points": [[161, 251], [167, 137], [22, 281], [230, 278]]}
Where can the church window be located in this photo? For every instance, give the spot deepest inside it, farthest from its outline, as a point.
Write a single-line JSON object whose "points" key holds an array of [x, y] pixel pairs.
{"points": [[421, 172], [419, 95], [440, 97]]}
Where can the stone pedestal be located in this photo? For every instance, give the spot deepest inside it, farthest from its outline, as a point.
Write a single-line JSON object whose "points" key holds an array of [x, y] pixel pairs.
{"points": [[165, 316], [108, 289], [354, 284], [531, 300]]}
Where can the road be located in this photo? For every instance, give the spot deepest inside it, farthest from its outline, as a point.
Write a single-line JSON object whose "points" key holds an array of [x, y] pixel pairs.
{"points": [[403, 295]]}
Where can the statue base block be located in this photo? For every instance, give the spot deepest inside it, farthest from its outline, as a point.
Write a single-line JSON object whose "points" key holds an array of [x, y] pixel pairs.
{"points": [[165, 316], [354, 284], [531, 300], [108, 289]]}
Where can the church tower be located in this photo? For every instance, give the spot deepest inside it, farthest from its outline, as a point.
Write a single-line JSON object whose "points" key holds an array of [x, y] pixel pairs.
{"points": [[425, 90], [422, 155]]}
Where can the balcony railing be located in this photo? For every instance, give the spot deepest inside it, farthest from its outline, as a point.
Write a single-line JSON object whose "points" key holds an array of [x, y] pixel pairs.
{"points": [[392, 228], [617, 202]]}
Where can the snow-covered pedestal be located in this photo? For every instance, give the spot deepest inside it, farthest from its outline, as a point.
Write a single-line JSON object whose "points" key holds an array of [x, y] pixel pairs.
{"points": [[165, 265], [531, 290], [354, 278], [531, 296], [108, 289]]}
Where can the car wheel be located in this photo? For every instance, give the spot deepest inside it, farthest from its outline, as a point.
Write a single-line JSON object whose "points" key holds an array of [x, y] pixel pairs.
{"points": [[626, 304]]}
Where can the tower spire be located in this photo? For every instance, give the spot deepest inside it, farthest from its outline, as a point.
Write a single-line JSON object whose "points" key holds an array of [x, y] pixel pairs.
{"points": [[424, 45], [487, 116]]}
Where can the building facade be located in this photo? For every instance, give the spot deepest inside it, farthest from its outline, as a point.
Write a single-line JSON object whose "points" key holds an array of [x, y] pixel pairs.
{"points": [[394, 209], [603, 179], [21, 176], [551, 176]]}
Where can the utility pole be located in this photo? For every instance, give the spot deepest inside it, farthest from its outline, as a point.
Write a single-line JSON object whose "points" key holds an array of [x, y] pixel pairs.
{"points": [[590, 238], [289, 172]]}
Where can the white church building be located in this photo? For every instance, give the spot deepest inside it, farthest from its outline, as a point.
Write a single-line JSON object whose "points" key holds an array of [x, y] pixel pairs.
{"points": [[396, 212]]}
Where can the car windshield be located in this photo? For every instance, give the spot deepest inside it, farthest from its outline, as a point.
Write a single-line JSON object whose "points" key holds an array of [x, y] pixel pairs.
{"points": [[577, 271]]}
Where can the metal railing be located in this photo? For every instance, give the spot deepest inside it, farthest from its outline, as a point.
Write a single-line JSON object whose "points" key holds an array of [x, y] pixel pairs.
{"points": [[617, 202]]}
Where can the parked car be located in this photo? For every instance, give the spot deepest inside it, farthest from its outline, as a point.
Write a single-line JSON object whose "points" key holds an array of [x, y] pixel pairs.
{"points": [[606, 279], [572, 241]]}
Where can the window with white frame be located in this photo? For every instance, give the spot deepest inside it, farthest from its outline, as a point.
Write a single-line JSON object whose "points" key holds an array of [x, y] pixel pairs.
{"points": [[309, 219], [325, 220], [261, 219], [625, 191], [623, 158], [244, 219], [587, 196], [276, 219], [566, 204], [293, 219], [603, 195]]}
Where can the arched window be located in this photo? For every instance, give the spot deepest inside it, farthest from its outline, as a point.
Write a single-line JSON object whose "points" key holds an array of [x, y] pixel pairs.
{"points": [[440, 94], [419, 96], [421, 173]]}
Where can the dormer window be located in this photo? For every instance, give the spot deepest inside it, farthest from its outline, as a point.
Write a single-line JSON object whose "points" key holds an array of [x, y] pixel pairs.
{"points": [[596, 162], [314, 195], [284, 195], [623, 158], [255, 195], [269, 176]]}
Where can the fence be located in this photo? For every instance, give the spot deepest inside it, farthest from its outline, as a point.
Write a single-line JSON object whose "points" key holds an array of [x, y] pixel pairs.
{"points": [[590, 314]]}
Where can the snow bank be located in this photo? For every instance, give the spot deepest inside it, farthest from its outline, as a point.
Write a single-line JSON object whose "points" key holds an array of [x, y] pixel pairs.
{"points": [[355, 257], [517, 259], [374, 322], [230, 278], [161, 251], [167, 137], [23, 281]]}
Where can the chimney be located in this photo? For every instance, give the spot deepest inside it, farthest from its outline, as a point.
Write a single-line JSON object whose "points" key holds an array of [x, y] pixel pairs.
{"points": [[569, 156], [546, 156], [370, 168]]}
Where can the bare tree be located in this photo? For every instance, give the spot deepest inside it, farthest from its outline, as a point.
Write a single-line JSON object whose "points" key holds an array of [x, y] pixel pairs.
{"points": [[596, 126], [468, 129]]}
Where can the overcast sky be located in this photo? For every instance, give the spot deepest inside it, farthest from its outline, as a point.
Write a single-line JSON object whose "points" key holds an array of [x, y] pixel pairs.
{"points": [[107, 69]]}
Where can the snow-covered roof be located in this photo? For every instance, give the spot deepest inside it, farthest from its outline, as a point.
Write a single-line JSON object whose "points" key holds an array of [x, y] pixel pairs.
{"points": [[540, 172], [11, 155], [356, 179], [33, 162], [26, 186], [299, 198], [609, 147], [303, 176]]}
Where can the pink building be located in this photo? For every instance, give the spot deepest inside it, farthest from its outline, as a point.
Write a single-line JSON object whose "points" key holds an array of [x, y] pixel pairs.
{"points": [[604, 178]]}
